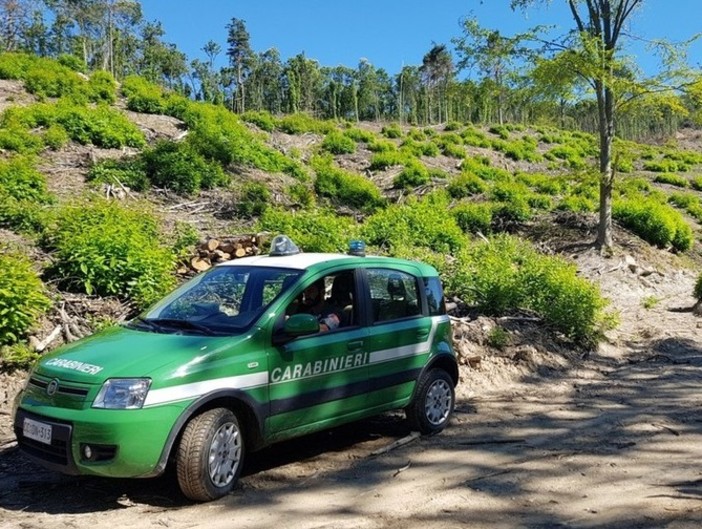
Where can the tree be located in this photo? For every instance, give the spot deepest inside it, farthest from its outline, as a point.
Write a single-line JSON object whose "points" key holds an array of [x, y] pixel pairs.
{"points": [[595, 53], [493, 55], [437, 71], [240, 59]]}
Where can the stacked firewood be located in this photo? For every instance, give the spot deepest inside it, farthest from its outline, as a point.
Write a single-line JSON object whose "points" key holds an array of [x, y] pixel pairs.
{"points": [[216, 250]]}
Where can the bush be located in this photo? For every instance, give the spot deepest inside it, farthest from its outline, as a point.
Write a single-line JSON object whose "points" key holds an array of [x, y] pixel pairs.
{"points": [[663, 166], [301, 123], [22, 296], [672, 179], [128, 171], [337, 143], [383, 160], [392, 131], [47, 78], [143, 96], [419, 222], [414, 174], [654, 222], [466, 184], [254, 200], [262, 119], [178, 167], [20, 179], [55, 137], [106, 249], [473, 218], [102, 126], [344, 187], [102, 87], [315, 230], [577, 204], [357, 134], [509, 274]]}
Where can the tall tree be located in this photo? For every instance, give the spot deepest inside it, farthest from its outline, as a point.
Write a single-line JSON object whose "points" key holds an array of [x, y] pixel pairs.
{"points": [[240, 59], [15, 19], [437, 71], [596, 55]]}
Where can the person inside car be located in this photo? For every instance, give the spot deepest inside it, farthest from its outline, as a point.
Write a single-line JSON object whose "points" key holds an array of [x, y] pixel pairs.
{"points": [[313, 302]]}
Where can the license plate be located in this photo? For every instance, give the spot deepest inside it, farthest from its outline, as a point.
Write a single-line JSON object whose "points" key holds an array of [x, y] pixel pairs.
{"points": [[36, 430]]}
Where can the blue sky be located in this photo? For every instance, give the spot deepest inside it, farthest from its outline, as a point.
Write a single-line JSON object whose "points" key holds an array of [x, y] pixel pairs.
{"points": [[388, 33]]}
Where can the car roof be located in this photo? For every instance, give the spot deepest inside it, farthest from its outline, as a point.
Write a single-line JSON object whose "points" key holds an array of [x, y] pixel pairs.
{"points": [[305, 261]]}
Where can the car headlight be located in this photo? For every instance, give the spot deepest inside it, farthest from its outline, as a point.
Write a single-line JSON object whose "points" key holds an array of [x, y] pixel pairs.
{"points": [[123, 393]]}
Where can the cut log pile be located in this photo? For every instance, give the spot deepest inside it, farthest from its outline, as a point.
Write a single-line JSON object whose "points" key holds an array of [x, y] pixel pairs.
{"points": [[216, 250]]}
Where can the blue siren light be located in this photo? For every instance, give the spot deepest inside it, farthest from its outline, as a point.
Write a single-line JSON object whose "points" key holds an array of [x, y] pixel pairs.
{"points": [[357, 248]]}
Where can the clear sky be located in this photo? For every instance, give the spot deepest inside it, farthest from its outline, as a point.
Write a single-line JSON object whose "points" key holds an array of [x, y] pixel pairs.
{"points": [[388, 33]]}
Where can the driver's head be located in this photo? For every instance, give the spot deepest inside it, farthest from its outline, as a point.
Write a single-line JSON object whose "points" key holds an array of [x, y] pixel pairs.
{"points": [[314, 293]]}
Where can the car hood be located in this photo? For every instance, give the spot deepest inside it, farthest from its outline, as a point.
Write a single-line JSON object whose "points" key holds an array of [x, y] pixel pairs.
{"points": [[123, 352]]}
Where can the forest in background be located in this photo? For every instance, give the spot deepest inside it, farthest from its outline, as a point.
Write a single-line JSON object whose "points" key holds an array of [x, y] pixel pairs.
{"points": [[481, 76]]}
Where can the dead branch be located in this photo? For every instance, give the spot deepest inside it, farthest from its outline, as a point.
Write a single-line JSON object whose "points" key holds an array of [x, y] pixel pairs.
{"points": [[400, 442]]}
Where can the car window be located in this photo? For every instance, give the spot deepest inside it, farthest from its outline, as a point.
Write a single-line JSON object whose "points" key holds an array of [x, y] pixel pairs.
{"points": [[225, 298], [329, 298], [394, 294], [435, 296]]}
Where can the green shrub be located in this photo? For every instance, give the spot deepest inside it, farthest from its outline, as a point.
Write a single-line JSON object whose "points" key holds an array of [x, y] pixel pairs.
{"points": [[55, 137], [684, 200], [654, 222], [302, 195], [344, 187], [20, 179], [104, 248], [315, 230], [47, 78], [72, 62], [509, 274], [22, 296], [102, 126], [475, 138], [696, 183], [262, 119], [128, 171], [102, 87], [473, 217], [337, 143], [255, 198], [577, 204], [416, 134], [465, 185], [452, 126], [419, 222], [541, 183], [481, 167], [392, 131], [500, 130], [359, 135], [379, 145], [20, 140], [672, 179], [15, 65], [301, 123], [383, 160], [518, 150], [178, 167], [413, 175], [663, 166], [143, 96]]}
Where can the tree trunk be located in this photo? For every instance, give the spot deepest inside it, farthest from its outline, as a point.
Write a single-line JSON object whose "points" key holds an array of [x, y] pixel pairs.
{"points": [[605, 104]]}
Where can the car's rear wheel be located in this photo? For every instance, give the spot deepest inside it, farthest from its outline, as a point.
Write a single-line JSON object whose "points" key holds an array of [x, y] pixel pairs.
{"points": [[430, 410], [210, 455]]}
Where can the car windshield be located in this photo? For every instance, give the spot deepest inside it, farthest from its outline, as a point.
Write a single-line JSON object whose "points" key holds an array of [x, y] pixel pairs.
{"points": [[223, 301]]}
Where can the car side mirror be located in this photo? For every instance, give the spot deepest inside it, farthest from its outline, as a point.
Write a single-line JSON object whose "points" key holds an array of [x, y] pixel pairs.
{"points": [[295, 326]]}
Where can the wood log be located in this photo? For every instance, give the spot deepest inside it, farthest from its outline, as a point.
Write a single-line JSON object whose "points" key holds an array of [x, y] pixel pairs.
{"points": [[239, 252], [212, 245], [200, 264]]}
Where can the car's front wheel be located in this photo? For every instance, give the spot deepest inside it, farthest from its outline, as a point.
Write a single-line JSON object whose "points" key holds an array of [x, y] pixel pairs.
{"points": [[210, 455], [430, 410]]}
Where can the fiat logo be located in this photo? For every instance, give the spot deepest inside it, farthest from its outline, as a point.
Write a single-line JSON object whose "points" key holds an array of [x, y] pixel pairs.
{"points": [[52, 388]]}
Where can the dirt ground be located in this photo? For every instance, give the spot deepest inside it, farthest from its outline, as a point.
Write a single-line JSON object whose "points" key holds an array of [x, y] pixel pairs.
{"points": [[543, 436]]}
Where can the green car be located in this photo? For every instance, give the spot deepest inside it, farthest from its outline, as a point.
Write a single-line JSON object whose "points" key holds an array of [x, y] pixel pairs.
{"points": [[254, 351]]}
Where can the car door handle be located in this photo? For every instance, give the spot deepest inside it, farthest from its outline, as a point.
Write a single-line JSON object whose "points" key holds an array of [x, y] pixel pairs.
{"points": [[355, 346], [422, 334]]}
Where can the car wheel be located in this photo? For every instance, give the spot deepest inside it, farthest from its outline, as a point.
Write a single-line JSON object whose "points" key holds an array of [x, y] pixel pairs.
{"points": [[430, 410], [210, 455]]}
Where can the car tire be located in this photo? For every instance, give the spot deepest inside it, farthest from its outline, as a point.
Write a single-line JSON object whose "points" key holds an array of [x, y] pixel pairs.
{"points": [[210, 455], [433, 402]]}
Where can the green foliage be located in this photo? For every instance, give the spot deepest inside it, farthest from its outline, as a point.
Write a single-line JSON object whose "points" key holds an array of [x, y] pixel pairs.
{"points": [[19, 355], [19, 140], [654, 222], [315, 230], [573, 156], [419, 222], [55, 137], [577, 204], [337, 143], [379, 145], [383, 160], [664, 166], [262, 119], [672, 179], [72, 62], [696, 183], [500, 130], [15, 65], [22, 296], [392, 131], [475, 138], [413, 175], [102, 87], [302, 195], [177, 166], [541, 183], [481, 167], [344, 187], [184, 237], [466, 184], [127, 171], [302, 123], [47, 78], [143, 96], [498, 338], [359, 135], [104, 248], [452, 126], [102, 126], [255, 198], [509, 274], [649, 302], [218, 135], [473, 217], [22, 194]]}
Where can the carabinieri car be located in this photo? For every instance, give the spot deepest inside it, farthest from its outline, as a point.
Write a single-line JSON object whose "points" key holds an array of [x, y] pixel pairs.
{"points": [[228, 363]]}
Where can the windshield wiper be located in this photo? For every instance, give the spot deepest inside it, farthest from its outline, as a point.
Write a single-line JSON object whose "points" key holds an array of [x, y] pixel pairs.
{"points": [[180, 324], [140, 321]]}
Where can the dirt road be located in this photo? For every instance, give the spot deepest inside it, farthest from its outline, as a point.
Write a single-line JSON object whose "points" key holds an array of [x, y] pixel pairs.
{"points": [[614, 441]]}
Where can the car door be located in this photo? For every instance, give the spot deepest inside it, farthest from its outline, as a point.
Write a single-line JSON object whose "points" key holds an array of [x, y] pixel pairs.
{"points": [[399, 335], [319, 380]]}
